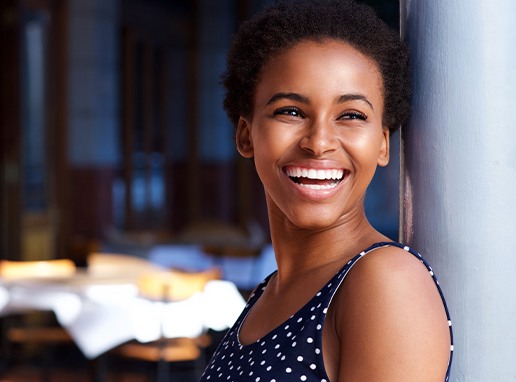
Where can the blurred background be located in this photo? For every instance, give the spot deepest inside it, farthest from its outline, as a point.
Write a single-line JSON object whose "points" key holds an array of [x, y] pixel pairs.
{"points": [[113, 137], [113, 132]]}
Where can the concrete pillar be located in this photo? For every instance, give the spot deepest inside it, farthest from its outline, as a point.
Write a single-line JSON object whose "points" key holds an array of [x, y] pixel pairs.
{"points": [[458, 171]]}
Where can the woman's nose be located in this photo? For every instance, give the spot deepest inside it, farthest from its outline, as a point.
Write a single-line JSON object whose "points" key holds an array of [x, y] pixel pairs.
{"points": [[319, 138]]}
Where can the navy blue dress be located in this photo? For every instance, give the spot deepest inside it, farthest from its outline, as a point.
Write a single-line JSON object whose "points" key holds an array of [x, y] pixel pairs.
{"points": [[292, 351]]}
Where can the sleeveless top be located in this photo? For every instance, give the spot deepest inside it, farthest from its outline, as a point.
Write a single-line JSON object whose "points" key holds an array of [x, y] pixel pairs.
{"points": [[292, 351]]}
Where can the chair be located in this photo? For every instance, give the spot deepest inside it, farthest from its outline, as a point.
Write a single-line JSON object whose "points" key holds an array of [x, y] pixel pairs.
{"points": [[167, 286], [36, 331]]}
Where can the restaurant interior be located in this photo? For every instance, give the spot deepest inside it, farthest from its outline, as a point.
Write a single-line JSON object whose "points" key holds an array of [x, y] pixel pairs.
{"points": [[131, 232]]}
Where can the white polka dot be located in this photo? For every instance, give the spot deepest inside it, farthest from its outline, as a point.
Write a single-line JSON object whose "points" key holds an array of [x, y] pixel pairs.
{"points": [[309, 340], [317, 351], [294, 344], [288, 370], [269, 368], [300, 319], [300, 358], [319, 327], [313, 366], [303, 377]]}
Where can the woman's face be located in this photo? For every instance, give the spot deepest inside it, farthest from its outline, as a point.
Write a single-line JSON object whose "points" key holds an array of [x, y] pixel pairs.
{"points": [[316, 132]]}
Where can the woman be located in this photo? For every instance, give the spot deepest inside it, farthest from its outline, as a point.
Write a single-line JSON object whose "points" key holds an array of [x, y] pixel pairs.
{"points": [[315, 89]]}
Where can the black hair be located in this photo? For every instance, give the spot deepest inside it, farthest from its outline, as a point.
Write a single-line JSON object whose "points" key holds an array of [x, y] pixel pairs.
{"points": [[286, 23]]}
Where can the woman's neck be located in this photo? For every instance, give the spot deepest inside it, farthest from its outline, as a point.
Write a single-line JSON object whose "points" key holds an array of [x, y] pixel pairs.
{"points": [[300, 251]]}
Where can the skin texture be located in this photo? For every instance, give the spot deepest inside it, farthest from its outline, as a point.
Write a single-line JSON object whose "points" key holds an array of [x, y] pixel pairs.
{"points": [[319, 105]]}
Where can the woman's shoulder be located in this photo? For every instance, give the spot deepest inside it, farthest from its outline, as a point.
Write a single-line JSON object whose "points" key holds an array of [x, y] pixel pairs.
{"points": [[391, 260], [389, 308], [392, 275]]}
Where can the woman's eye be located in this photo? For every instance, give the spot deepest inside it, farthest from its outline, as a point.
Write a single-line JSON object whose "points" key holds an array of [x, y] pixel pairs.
{"points": [[354, 115], [290, 111]]}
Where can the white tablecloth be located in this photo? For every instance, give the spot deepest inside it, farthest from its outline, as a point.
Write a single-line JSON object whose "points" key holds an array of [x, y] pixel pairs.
{"points": [[101, 314]]}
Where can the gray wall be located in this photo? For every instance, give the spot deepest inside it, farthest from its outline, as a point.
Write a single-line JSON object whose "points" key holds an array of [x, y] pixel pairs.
{"points": [[458, 171]]}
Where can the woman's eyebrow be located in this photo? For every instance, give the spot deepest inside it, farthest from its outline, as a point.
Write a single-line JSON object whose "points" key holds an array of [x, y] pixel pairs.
{"points": [[300, 98], [290, 96], [353, 97]]}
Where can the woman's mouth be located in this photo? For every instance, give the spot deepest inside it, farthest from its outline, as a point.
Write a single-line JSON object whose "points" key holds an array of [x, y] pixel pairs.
{"points": [[316, 179]]}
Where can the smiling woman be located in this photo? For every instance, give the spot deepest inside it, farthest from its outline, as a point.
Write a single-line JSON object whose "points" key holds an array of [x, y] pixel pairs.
{"points": [[313, 120], [315, 89]]}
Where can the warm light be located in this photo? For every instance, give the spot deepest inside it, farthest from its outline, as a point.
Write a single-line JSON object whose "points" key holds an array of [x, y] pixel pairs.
{"points": [[175, 285], [25, 269]]}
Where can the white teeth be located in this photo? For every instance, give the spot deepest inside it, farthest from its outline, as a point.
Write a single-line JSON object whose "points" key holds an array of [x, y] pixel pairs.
{"points": [[296, 172]]}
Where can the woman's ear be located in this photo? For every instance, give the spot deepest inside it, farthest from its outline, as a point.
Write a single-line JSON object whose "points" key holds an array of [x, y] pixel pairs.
{"points": [[383, 156], [244, 141]]}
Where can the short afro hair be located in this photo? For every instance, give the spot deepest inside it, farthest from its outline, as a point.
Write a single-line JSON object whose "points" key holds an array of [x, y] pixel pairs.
{"points": [[283, 25]]}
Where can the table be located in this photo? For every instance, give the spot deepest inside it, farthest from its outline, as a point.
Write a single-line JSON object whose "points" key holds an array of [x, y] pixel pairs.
{"points": [[101, 313], [244, 272]]}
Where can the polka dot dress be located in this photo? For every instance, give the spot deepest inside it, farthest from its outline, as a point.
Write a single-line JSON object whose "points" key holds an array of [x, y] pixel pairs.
{"points": [[292, 351]]}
